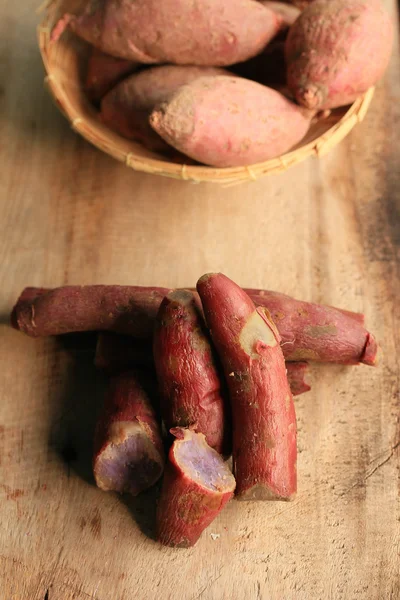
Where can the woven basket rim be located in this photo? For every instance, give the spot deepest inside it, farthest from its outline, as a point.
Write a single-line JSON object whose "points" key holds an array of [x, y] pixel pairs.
{"points": [[319, 146]]}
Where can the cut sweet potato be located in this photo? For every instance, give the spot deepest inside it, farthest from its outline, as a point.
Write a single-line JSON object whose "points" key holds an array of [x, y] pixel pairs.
{"points": [[128, 455], [197, 485]]}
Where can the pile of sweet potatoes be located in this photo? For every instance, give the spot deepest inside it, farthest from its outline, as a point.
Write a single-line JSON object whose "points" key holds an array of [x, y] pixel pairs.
{"points": [[238, 82], [196, 376]]}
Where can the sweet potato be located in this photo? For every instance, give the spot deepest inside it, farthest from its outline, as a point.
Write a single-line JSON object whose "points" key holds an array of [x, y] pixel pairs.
{"points": [[336, 335], [296, 373], [104, 72], [321, 333], [263, 416], [230, 121], [117, 353], [121, 309], [126, 109], [197, 485], [187, 372], [128, 454], [211, 33], [336, 50]]}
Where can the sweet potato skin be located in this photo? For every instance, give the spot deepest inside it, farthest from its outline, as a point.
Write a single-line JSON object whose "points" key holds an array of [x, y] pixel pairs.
{"points": [[296, 373], [189, 384], [230, 121], [88, 308], [127, 107], [128, 412], [263, 416], [118, 353], [185, 507], [214, 33], [132, 310], [336, 50], [320, 333], [104, 72]]}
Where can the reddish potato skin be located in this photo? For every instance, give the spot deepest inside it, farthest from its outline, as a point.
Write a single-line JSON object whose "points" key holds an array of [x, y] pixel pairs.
{"points": [[296, 373], [230, 121], [104, 72], [127, 403], [336, 50], [190, 388], [127, 107], [320, 333], [117, 353], [121, 309], [263, 416], [185, 507], [175, 31], [132, 310]]}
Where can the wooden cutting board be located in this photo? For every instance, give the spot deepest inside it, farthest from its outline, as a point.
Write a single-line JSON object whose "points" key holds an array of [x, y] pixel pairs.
{"points": [[326, 231]]}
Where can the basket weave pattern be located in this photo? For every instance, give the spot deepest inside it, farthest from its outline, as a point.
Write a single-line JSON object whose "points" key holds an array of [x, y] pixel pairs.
{"points": [[64, 62]]}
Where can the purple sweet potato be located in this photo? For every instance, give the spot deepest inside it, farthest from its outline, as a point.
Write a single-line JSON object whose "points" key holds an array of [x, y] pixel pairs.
{"points": [[336, 335], [197, 485], [230, 121], [128, 453], [104, 72], [211, 33], [187, 372], [263, 417], [336, 50], [126, 109]]}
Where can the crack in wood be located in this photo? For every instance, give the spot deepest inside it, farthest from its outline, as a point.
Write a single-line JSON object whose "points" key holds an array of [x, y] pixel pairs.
{"points": [[361, 482], [208, 585]]}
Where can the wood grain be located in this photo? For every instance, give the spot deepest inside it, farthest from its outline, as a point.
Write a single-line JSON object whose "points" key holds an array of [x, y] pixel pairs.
{"points": [[327, 231]]}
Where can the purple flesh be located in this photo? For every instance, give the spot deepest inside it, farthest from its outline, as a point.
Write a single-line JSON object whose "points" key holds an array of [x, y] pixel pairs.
{"points": [[131, 466], [203, 464]]}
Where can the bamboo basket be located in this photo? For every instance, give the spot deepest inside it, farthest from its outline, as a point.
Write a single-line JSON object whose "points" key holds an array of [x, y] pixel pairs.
{"points": [[65, 64]]}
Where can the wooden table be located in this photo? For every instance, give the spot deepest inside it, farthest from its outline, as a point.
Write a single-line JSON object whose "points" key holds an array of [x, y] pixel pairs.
{"points": [[326, 231]]}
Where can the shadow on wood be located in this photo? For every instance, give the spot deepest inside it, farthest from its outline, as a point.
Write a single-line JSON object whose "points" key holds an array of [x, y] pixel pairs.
{"points": [[72, 429], [74, 422], [143, 509]]}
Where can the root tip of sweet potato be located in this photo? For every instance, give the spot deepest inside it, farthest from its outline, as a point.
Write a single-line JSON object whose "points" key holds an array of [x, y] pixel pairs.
{"points": [[311, 96]]}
